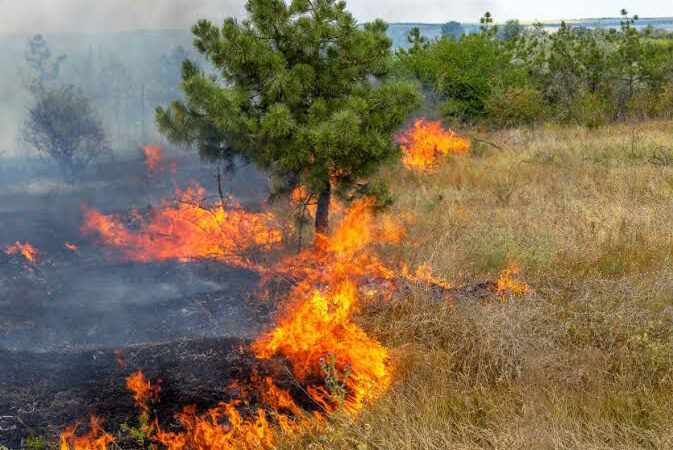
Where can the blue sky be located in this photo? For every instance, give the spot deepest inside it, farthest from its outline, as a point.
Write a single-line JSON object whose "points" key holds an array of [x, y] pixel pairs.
{"points": [[28, 16]]}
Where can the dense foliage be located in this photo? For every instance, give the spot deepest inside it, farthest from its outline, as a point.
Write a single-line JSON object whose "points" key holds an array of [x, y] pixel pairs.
{"points": [[512, 75], [301, 91]]}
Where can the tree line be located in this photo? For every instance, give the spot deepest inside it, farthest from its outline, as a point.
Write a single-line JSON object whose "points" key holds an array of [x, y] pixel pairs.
{"points": [[315, 99], [509, 75]]}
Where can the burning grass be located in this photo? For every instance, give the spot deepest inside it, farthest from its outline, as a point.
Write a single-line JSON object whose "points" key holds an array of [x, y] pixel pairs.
{"points": [[583, 360], [94, 439], [26, 250], [187, 227], [336, 364], [426, 141], [586, 360], [155, 161]]}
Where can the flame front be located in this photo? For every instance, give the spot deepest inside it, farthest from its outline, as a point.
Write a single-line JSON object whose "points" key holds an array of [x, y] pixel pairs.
{"points": [[26, 250], [331, 357], [315, 326], [94, 439], [426, 141], [186, 229]]}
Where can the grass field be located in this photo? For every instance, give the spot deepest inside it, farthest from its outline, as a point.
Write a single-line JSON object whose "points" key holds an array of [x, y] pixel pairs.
{"points": [[585, 360]]}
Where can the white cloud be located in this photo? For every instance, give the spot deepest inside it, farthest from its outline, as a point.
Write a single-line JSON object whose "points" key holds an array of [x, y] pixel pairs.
{"points": [[30, 16]]}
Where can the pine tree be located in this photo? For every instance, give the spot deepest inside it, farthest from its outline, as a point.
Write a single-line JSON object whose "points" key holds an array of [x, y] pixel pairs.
{"points": [[302, 91]]}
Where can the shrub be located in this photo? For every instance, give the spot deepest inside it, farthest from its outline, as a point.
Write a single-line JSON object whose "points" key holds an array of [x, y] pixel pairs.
{"points": [[591, 110], [513, 75], [516, 105]]}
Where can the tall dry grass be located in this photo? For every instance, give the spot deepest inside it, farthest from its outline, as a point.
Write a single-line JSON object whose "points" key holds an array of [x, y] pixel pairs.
{"points": [[586, 360]]}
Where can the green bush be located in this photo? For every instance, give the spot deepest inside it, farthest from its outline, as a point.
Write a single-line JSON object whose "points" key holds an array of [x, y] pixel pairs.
{"points": [[591, 110], [462, 73], [516, 105]]}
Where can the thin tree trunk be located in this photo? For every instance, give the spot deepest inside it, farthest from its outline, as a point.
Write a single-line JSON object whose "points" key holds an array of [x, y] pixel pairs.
{"points": [[322, 212]]}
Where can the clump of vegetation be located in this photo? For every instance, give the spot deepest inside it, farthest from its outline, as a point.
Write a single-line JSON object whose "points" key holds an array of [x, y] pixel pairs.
{"points": [[137, 434], [61, 123], [510, 75], [304, 92], [38, 443], [336, 381]]}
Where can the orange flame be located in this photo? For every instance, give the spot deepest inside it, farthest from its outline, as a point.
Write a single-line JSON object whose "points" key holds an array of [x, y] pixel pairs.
{"points": [[94, 439], [155, 160], [219, 428], [424, 274], [119, 356], [187, 229], [27, 250], [142, 389], [301, 199], [71, 247], [316, 325], [317, 318], [426, 141], [332, 358], [507, 287]]}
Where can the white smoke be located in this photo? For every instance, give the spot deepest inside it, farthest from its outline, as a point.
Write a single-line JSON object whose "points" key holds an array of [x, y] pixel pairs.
{"points": [[50, 16]]}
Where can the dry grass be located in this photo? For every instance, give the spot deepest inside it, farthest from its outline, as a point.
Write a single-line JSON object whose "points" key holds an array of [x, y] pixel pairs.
{"points": [[586, 361]]}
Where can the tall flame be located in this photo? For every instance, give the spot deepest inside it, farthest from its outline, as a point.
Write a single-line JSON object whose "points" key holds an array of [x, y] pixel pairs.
{"points": [[317, 318], [316, 326], [426, 141], [186, 229]]}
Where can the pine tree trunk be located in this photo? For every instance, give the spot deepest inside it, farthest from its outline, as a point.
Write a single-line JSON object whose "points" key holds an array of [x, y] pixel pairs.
{"points": [[322, 212]]}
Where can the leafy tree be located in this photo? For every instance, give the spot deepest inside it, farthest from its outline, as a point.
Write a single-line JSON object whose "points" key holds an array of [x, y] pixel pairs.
{"points": [[486, 25], [62, 125], [515, 75], [416, 39], [453, 29], [629, 59], [511, 30], [464, 73], [303, 92], [44, 68]]}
